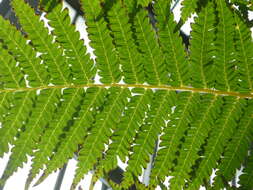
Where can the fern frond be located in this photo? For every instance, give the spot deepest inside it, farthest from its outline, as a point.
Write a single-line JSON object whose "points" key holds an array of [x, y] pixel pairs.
{"points": [[124, 134], [101, 41], [13, 122], [246, 178], [145, 141], [131, 6], [4, 105], [202, 48], [187, 104], [226, 78], [129, 56], [188, 8], [28, 139], [10, 74], [137, 114], [45, 107], [144, 3], [243, 45], [93, 98], [81, 64], [106, 121], [191, 109], [236, 150], [207, 114], [242, 2], [171, 45], [60, 119], [23, 53], [153, 59], [224, 128], [52, 54]]}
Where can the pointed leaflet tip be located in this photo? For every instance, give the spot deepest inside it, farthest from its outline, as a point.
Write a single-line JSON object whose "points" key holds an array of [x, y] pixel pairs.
{"points": [[40, 180], [28, 183], [73, 186]]}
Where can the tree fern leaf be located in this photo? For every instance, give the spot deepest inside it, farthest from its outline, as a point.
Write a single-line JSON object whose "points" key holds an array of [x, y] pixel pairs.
{"points": [[105, 122], [224, 61], [48, 5], [93, 98], [10, 74], [131, 8], [47, 100], [125, 132], [17, 45], [242, 2], [153, 59], [13, 122], [144, 3], [194, 106], [243, 45], [28, 138], [246, 178], [148, 135], [4, 105], [130, 58], [237, 149], [43, 42], [188, 8], [208, 112], [187, 103], [202, 48], [62, 115], [171, 44], [101, 41], [222, 132], [74, 49]]}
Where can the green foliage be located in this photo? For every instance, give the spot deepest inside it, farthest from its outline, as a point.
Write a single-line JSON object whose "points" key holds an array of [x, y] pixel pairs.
{"points": [[202, 47], [24, 54], [186, 111], [224, 62], [188, 8], [197, 134], [242, 45], [75, 51], [129, 57], [146, 139], [42, 41], [153, 60], [171, 45], [246, 177], [101, 42]]}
